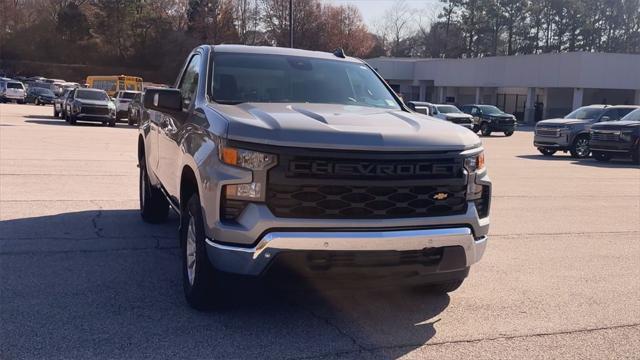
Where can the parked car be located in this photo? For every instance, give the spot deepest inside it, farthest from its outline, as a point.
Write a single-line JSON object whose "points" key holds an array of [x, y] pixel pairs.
{"points": [[421, 107], [136, 110], [284, 154], [40, 96], [571, 133], [122, 101], [12, 91], [58, 104], [453, 114], [488, 119], [90, 105], [613, 139]]}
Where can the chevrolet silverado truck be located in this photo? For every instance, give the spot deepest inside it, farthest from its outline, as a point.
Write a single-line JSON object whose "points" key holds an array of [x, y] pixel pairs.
{"points": [[271, 154]]}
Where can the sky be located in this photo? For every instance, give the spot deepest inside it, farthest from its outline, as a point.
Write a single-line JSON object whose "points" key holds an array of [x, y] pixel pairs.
{"points": [[374, 9]]}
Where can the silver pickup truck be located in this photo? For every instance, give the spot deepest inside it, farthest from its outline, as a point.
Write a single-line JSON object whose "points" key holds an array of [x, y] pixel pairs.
{"points": [[280, 155]]}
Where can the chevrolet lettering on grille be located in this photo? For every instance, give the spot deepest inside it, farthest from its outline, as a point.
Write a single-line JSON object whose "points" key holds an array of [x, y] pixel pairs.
{"points": [[309, 167]]}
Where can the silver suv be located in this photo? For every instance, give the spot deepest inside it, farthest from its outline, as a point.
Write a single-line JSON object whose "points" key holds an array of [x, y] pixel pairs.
{"points": [[280, 155], [571, 133]]}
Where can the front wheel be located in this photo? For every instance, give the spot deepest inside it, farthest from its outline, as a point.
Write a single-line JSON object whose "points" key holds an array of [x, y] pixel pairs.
{"points": [[56, 114], [72, 120], [112, 123], [580, 148], [485, 130], [446, 287], [508, 133], [601, 156], [202, 284], [546, 152]]}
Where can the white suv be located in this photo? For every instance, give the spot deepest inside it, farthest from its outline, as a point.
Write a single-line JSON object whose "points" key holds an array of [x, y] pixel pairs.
{"points": [[123, 99], [12, 91]]}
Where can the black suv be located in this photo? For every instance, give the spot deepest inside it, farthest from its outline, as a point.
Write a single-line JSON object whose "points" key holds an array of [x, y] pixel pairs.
{"points": [[40, 96], [617, 138], [90, 105], [488, 118]]}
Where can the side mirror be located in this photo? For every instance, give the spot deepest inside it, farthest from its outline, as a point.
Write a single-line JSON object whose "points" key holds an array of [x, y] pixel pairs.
{"points": [[167, 101], [605, 118]]}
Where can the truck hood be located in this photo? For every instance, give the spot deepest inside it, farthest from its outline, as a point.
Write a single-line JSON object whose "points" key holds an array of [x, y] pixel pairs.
{"points": [[329, 126], [616, 125], [93, 102], [563, 121]]}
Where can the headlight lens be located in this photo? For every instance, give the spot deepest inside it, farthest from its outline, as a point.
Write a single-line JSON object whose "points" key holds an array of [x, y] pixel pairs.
{"points": [[474, 163], [626, 135], [247, 159]]}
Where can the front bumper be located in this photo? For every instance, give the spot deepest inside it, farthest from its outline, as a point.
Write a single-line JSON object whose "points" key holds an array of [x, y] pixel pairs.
{"points": [[98, 118], [613, 146], [560, 142], [255, 260]]}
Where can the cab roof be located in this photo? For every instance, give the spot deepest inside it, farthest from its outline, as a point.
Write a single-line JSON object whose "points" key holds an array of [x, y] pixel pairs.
{"points": [[271, 50]]}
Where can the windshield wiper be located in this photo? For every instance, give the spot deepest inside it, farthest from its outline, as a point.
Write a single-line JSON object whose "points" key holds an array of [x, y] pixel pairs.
{"points": [[228, 102]]}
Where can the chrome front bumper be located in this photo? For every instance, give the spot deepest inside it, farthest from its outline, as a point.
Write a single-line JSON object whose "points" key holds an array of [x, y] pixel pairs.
{"points": [[253, 261]]}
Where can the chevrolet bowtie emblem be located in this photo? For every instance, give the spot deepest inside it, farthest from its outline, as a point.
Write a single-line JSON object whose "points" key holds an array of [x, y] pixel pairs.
{"points": [[440, 196]]}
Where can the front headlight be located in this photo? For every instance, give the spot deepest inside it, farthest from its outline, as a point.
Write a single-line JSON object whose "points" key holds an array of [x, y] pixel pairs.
{"points": [[77, 107], [248, 159], [474, 164], [111, 106], [626, 135], [255, 161]]}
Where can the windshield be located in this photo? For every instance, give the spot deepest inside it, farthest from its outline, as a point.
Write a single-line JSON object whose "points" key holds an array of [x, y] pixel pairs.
{"points": [[14, 86], [632, 116], [46, 92], [448, 109], [489, 110], [91, 95], [585, 113], [128, 95], [275, 78]]}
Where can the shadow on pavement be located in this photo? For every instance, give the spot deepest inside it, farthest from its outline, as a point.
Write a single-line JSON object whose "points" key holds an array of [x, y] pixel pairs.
{"points": [[613, 163], [103, 282], [44, 120]]}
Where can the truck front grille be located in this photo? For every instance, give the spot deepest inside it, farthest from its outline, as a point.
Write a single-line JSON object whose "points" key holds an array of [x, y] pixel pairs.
{"points": [[371, 186], [605, 136], [549, 132], [95, 110]]}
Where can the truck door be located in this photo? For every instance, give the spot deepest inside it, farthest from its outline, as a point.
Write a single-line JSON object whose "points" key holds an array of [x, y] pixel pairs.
{"points": [[169, 128]]}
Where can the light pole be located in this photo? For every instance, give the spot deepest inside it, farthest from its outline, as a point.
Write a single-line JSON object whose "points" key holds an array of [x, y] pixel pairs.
{"points": [[290, 23]]}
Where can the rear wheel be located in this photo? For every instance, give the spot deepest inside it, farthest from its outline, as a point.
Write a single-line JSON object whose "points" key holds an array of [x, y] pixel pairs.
{"points": [[485, 130], [601, 156], [112, 123], [72, 120], [154, 207], [36, 102], [546, 152], [203, 285], [580, 148], [55, 112], [508, 133]]}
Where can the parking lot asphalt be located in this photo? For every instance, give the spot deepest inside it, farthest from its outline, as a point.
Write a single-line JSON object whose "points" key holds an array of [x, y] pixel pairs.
{"points": [[81, 276]]}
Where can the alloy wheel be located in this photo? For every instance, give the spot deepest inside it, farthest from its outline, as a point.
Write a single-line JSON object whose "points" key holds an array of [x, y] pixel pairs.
{"points": [[190, 248]]}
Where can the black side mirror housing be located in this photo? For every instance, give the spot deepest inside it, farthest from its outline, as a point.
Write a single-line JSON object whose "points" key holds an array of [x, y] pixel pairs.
{"points": [[168, 101]]}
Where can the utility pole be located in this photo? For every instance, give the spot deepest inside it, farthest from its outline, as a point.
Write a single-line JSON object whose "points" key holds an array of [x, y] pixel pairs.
{"points": [[291, 23]]}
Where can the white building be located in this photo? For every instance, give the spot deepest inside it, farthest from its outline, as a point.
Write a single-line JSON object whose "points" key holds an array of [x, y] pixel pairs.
{"points": [[529, 86]]}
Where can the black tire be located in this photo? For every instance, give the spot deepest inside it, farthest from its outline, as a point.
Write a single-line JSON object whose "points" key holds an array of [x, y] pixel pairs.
{"points": [[112, 123], [36, 102], [56, 114], [580, 147], [446, 287], [601, 156], [485, 130], [203, 284], [154, 207], [635, 156], [72, 120], [508, 133], [547, 152]]}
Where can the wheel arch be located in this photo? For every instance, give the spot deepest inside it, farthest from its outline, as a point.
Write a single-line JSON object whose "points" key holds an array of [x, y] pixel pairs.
{"points": [[188, 185]]}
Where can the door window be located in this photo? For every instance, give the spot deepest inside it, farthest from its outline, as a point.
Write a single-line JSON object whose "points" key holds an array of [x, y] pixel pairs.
{"points": [[189, 82]]}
